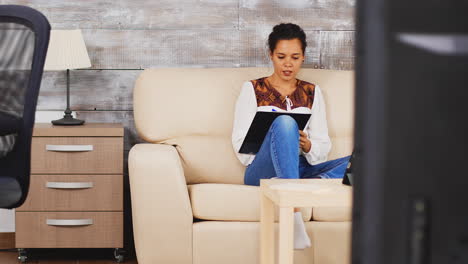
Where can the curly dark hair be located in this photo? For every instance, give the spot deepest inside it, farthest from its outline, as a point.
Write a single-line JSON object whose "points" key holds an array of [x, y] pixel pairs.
{"points": [[286, 31]]}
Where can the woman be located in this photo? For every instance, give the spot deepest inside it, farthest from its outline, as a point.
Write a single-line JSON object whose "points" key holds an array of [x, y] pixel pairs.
{"points": [[286, 152]]}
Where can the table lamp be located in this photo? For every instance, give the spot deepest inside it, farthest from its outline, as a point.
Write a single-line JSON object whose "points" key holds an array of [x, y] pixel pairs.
{"points": [[67, 51]]}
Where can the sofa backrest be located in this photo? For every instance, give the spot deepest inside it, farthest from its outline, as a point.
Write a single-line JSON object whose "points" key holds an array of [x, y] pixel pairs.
{"points": [[193, 109]]}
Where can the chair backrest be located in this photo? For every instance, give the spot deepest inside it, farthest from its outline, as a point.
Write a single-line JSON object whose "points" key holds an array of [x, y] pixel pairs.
{"points": [[194, 109], [24, 38]]}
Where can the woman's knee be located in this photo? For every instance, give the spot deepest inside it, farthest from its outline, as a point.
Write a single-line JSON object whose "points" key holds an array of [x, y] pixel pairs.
{"points": [[286, 123]]}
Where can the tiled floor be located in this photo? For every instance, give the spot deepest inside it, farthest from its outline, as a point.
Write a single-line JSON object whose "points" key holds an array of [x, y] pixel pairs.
{"points": [[12, 258]]}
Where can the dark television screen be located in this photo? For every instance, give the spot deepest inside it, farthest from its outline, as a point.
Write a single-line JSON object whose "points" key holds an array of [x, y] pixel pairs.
{"points": [[411, 175]]}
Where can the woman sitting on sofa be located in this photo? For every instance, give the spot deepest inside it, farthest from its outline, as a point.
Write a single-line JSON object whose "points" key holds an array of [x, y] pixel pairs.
{"points": [[286, 152]]}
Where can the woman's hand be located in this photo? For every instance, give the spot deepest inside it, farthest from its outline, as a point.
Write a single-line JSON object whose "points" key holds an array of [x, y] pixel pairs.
{"points": [[304, 142]]}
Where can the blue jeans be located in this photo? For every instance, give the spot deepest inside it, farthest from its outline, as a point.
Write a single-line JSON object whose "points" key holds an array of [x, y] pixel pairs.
{"points": [[279, 157]]}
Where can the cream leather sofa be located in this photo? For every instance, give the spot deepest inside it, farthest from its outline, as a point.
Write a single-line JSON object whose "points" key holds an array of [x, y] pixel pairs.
{"points": [[188, 199]]}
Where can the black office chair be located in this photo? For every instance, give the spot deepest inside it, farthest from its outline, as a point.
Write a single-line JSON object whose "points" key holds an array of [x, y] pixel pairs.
{"points": [[24, 38]]}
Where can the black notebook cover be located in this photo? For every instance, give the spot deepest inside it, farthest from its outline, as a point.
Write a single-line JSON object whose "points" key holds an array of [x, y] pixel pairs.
{"points": [[260, 126]]}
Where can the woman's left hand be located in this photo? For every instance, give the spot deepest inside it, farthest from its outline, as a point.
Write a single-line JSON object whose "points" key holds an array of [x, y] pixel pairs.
{"points": [[304, 142]]}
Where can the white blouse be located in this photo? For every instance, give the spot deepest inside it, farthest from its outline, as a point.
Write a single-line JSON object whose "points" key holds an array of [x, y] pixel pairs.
{"points": [[316, 128]]}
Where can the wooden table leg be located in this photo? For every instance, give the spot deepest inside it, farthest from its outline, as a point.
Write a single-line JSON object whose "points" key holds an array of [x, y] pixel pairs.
{"points": [[267, 230], [286, 235]]}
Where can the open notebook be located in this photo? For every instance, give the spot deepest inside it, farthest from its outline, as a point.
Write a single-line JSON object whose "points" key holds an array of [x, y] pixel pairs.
{"points": [[260, 126]]}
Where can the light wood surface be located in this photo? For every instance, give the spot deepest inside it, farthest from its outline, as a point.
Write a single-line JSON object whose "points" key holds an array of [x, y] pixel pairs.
{"points": [[105, 158], [267, 229], [105, 195], [86, 130], [320, 15], [337, 49], [33, 232], [308, 192], [288, 194], [116, 84], [221, 43], [137, 14], [156, 48], [286, 235]]}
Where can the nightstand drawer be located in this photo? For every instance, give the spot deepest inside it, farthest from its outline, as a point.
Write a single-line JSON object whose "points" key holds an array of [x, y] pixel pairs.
{"points": [[74, 193], [77, 155], [69, 230]]}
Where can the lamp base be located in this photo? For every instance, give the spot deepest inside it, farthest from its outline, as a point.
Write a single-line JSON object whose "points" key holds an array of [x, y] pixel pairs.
{"points": [[68, 120]]}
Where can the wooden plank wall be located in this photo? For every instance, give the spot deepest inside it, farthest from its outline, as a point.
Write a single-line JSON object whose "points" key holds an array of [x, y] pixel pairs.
{"points": [[125, 36]]}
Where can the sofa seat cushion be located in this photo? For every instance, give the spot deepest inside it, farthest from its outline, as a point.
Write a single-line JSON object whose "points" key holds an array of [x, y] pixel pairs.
{"points": [[332, 214], [229, 202]]}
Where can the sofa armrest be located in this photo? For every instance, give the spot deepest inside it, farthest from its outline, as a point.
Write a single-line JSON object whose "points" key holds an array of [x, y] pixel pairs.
{"points": [[161, 209]]}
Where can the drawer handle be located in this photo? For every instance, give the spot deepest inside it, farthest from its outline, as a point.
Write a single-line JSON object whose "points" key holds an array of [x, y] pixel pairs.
{"points": [[69, 185], [69, 148], [69, 222]]}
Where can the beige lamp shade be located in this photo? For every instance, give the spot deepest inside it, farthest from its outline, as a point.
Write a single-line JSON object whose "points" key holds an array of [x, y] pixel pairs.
{"points": [[67, 50]]}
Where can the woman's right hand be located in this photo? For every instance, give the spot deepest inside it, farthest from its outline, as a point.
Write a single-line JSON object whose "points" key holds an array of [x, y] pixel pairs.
{"points": [[304, 142]]}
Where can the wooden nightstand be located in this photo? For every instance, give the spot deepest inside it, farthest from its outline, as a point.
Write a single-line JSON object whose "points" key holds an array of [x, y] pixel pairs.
{"points": [[75, 198]]}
